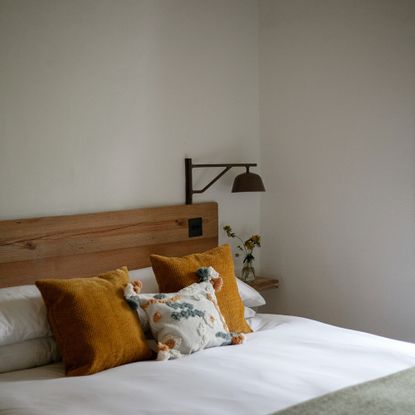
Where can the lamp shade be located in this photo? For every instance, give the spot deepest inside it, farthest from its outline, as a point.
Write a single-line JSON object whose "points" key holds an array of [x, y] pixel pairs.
{"points": [[248, 182]]}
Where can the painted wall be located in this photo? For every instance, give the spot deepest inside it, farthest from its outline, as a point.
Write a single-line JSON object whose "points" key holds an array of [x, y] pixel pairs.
{"points": [[337, 105], [102, 99]]}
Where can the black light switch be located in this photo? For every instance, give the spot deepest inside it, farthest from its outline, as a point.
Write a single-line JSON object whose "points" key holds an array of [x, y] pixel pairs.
{"points": [[195, 227]]}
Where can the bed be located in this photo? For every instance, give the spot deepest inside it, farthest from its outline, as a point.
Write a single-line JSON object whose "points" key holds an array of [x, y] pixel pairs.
{"points": [[287, 360]]}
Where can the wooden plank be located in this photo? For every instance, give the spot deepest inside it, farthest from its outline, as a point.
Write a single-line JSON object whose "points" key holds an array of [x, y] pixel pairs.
{"points": [[101, 238], [79, 245], [29, 228]]}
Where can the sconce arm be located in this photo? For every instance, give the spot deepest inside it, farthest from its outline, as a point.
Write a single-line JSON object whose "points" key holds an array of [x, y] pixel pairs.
{"points": [[189, 166], [213, 180]]}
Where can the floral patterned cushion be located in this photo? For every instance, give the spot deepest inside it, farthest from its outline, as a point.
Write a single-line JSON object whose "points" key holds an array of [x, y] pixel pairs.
{"points": [[184, 322]]}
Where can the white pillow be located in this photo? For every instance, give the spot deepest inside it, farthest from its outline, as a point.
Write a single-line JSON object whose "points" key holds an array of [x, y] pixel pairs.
{"points": [[249, 313], [147, 277], [27, 354], [22, 315], [250, 296], [187, 321]]}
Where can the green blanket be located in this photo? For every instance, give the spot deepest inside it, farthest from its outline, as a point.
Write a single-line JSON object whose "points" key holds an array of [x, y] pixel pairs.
{"points": [[390, 395]]}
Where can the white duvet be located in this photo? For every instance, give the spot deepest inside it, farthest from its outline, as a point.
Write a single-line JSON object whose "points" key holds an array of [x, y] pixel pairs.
{"points": [[286, 361]]}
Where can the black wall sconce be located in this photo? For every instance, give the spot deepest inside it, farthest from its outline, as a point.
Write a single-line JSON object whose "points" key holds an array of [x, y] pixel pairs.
{"points": [[245, 182]]}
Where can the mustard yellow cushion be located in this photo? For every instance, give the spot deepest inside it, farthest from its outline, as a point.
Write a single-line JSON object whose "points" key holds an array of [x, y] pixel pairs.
{"points": [[175, 273], [94, 327]]}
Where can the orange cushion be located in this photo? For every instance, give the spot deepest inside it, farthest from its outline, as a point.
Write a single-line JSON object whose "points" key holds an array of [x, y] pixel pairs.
{"points": [[94, 327], [175, 273]]}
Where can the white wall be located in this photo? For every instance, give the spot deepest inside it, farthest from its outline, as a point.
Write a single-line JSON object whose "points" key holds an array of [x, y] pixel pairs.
{"points": [[337, 104], [102, 99]]}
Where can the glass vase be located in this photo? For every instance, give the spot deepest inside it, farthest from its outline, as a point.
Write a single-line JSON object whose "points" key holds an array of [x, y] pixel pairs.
{"points": [[248, 273]]}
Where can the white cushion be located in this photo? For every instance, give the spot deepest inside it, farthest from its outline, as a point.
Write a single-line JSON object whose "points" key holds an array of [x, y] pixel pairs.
{"points": [[183, 322], [27, 354], [250, 296], [22, 315], [248, 313]]}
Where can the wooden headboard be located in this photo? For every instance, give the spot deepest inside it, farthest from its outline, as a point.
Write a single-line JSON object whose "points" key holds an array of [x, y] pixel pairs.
{"points": [[81, 245]]}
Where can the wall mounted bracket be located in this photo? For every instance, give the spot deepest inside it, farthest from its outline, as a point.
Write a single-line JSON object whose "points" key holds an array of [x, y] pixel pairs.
{"points": [[243, 181]]}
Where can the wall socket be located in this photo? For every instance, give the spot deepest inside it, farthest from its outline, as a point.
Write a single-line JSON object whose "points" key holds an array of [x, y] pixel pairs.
{"points": [[195, 227]]}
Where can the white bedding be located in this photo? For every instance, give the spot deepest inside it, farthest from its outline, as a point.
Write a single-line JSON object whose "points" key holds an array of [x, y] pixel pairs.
{"points": [[287, 361]]}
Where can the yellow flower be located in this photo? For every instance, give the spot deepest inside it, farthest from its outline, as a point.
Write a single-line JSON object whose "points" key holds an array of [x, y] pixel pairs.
{"points": [[228, 231], [249, 244], [256, 238]]}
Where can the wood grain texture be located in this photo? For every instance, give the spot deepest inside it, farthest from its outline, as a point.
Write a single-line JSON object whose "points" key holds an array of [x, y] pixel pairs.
{"points": [[80, 245], [264, 283]]}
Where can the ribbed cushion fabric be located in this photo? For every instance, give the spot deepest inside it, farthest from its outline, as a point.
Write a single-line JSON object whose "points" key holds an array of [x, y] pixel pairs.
{"points": [[94, 327], [175, 273]]}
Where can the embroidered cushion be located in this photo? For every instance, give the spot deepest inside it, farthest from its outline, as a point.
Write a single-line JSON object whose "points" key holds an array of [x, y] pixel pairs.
{"points": [[175, 273], [184, 322]]}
